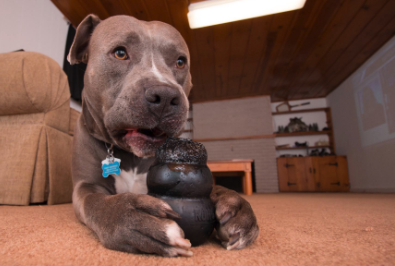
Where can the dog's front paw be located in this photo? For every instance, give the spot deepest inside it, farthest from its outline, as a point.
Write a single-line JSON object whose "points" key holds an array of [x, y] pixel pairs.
{"points": [[237, 225], [140, 224]]}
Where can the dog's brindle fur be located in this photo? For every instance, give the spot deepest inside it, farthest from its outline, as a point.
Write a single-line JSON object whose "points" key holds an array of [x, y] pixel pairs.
{"points": [[144, 91]]}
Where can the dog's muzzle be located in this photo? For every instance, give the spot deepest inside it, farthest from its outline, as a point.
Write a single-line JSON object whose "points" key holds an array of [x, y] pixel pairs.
{"points": [[163, 101]]}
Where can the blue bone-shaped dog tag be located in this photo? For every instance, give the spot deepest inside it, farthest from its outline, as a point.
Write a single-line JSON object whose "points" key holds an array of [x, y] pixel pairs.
{"points": [[110, 168]]}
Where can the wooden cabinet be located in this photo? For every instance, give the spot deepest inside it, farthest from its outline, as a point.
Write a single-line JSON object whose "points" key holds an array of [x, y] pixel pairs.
{"points": [[328, 173], [293, 175]]}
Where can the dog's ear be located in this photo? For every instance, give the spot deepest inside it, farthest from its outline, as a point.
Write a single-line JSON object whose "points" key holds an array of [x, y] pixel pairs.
{"points": [[79, 49]]}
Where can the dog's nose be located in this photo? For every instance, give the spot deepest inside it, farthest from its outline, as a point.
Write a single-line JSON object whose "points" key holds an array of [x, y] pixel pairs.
{"points": [[162, 99]]}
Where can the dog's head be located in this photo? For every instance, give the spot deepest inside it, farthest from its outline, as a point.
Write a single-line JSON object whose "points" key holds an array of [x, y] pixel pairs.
{"points": [[136, 82]]}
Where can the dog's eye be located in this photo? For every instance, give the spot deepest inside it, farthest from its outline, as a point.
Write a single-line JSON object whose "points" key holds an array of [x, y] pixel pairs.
{"points": [[120, 54], [181, 62]]}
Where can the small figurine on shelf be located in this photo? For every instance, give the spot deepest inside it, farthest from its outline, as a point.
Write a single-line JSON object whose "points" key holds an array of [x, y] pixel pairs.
{"points": [[317, 152], [322, 142], [296, 125], [313, 127], [280, 129], [301, 144]]}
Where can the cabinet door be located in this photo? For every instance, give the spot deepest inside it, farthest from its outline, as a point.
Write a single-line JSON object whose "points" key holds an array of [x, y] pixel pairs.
{"points": [[327, 168], [313, 183], [282, 174], [292, 174], [342, 173]]}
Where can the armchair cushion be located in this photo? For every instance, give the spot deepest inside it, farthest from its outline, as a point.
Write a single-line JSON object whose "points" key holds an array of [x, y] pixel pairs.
{"points": [[35, 148]]}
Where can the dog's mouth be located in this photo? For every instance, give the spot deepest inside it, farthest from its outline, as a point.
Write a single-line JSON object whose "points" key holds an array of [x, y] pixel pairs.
{"points": [[151, 135], [140, 141]]}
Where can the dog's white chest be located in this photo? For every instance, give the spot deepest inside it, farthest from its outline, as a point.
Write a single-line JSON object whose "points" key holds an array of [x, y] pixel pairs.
{"points": [[130, 181]]}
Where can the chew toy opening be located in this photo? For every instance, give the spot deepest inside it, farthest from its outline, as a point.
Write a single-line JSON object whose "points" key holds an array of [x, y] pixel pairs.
{"points": [[176, 150]]}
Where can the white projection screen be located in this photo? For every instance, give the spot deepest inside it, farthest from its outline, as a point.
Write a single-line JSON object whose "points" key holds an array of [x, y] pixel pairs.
{"points": [[374, 92]]}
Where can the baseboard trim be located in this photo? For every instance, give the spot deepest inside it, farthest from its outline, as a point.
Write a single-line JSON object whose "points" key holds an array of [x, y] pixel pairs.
{"points": [[372, 190]]}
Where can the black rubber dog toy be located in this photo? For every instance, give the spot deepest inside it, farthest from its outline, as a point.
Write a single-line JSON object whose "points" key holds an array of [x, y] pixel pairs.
{"points": [[180, 176]]}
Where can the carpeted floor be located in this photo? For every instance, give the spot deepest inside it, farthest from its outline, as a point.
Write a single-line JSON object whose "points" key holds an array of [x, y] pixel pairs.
{"points": [[296, 229]]}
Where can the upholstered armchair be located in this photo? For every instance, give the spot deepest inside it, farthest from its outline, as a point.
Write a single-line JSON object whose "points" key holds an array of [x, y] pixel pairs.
{"points": [[35, 147]]}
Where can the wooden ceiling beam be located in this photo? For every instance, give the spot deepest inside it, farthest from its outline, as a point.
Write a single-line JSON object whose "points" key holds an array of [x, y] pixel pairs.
{"points": [[370, 32], [377, 41], [308, 73], [291, 55], [367, 12], [289, 58]]}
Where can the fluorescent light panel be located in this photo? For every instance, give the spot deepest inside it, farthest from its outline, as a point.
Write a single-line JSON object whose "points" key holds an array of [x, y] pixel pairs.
{"points": [[213, 12]]}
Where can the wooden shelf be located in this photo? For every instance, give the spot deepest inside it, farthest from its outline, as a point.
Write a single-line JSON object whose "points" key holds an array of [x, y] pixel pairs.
{"points": [[326, 109], [329, 133], [302, 148], [303, 133]]}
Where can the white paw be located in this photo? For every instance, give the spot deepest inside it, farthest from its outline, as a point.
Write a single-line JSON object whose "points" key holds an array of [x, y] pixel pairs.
{"points": [[176, 236]]}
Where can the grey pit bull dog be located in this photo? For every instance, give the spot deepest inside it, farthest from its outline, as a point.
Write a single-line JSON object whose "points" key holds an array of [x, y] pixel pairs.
{"points": [[136, 86]]}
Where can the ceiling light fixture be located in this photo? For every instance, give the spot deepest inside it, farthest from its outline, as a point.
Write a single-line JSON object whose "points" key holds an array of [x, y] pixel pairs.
{"points": [[213, 12]]}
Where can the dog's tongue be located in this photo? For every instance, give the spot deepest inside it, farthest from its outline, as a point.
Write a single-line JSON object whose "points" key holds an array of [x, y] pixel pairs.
{"points": [[144, 138], [148, 132]]}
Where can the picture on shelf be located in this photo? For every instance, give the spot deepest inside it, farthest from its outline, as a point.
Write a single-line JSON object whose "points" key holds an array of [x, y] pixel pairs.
{"points": [[297, 125]]}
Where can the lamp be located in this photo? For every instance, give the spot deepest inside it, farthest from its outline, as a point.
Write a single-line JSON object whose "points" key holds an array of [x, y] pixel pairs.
{"points": [[213, 12]]}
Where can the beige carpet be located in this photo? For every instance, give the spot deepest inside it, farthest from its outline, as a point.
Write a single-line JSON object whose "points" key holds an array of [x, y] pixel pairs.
{"points": [[296, 229]]}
